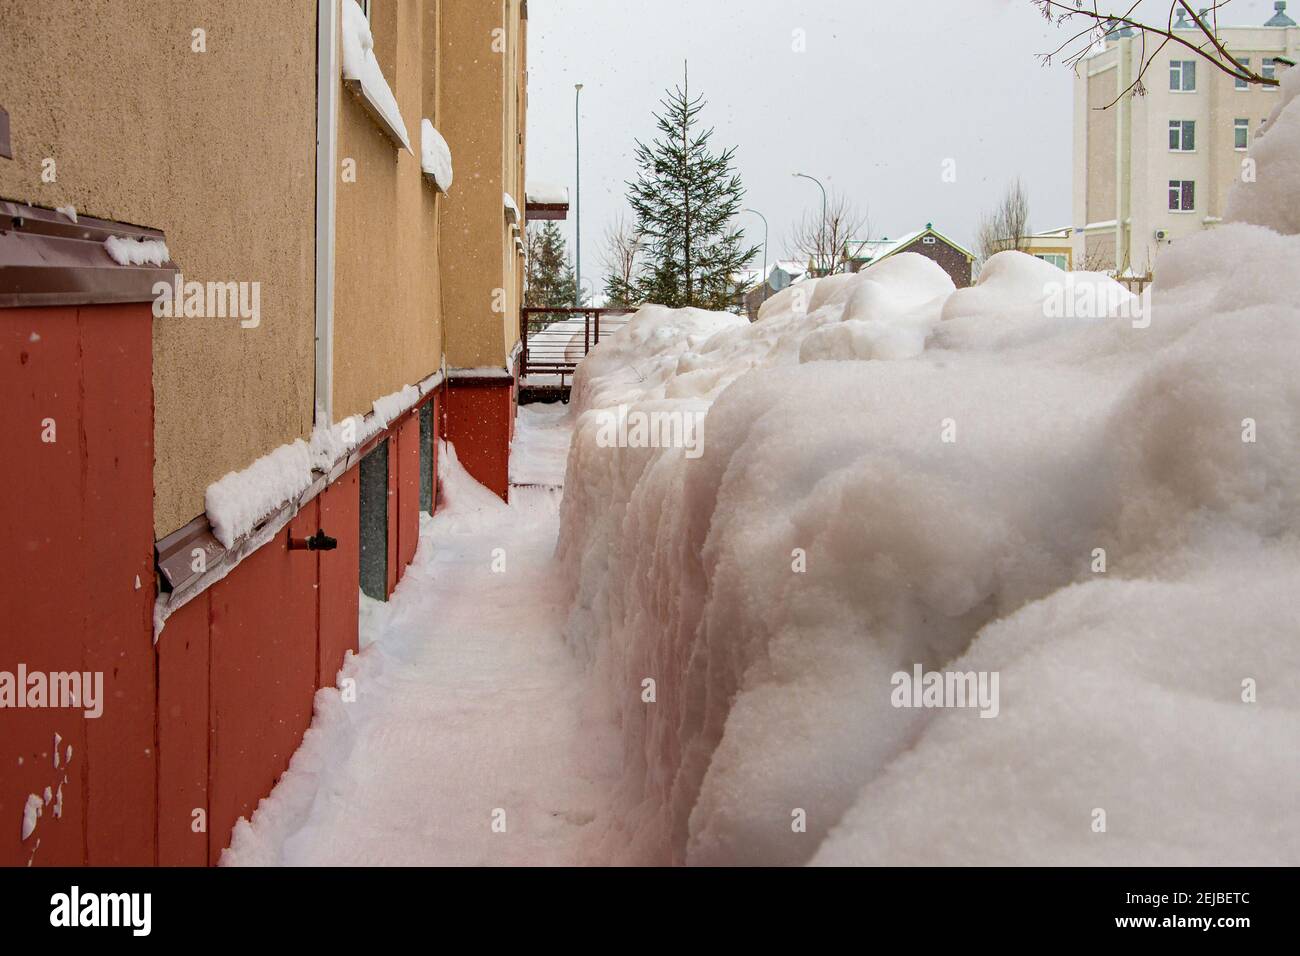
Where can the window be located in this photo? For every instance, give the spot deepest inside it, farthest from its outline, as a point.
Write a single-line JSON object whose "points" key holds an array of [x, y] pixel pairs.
{"points": [[1182, 136], [1240, 133], [1054, 258], [374, 523], [1238, 82], [1269, 72], [928, 240], [1182, 195], [1182, 76], [426, 458]]}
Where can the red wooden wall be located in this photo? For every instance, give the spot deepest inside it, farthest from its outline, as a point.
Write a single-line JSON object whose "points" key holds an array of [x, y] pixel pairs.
{"points": [[480, 422], [197, 729], [76, 528]]}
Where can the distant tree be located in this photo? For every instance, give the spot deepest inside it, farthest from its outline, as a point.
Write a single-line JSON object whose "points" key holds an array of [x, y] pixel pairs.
{"points": [[822, 237], [621, 260], [1197, 33], [1006, 226], [686, 199], [551, 280]]}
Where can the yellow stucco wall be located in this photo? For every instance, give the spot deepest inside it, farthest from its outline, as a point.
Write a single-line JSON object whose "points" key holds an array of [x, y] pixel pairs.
{"points": [[387, 311], [479, 49], [217, 150]]}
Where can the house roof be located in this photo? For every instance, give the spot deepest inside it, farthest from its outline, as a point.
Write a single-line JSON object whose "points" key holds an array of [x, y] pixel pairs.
{"points": [[1280, 19], [873, 250]]}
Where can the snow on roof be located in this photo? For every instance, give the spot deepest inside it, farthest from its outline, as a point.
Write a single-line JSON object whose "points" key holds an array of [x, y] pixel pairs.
{"points": [[359, 64], [873, 250], [547, 194], [435, 155]]}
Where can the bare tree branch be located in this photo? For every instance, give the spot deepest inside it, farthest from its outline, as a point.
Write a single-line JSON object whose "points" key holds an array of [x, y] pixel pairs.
{"points": [[1201, 38], [1006, 226], [620, 257], [823, 238]]}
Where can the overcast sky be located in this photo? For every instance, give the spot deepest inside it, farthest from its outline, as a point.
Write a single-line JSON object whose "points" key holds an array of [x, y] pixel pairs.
{"points": [[886, 91]]}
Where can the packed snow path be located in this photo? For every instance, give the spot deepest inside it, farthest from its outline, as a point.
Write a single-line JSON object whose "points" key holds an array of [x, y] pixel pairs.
{"points": [[467, 742]]}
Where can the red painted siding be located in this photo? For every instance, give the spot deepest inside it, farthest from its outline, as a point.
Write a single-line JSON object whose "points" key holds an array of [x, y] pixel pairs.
{"points": [[264, 662], [77, 520], [339, 591], [479, 425], [394, 572], [210, 717], [183, 739], [408, 491]]}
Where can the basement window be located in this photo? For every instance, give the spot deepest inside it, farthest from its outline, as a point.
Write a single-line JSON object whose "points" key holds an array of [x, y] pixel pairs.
{"points": [[374, 523], [426, 457]]}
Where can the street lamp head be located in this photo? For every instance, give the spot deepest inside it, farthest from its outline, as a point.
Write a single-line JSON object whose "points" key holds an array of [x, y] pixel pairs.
{"points": [[578, 87]]}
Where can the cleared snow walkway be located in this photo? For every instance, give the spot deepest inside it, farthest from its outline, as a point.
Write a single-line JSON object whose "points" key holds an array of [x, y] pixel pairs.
{"points": [[467, 741]]}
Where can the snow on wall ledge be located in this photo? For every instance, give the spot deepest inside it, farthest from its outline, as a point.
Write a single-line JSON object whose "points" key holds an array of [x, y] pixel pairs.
{"points": [[435, 155], [952, 466], [238, 502], [360, 64]]}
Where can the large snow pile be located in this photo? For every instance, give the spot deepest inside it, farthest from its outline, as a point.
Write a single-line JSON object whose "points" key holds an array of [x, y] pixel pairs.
{"points": [[1100, 507]]}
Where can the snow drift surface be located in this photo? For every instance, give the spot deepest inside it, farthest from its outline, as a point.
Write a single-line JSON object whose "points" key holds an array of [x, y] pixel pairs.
{"points": [[1103, 510]]}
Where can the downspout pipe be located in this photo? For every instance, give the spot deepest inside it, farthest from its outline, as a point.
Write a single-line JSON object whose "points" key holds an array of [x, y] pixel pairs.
{"points": [[327, 137]]}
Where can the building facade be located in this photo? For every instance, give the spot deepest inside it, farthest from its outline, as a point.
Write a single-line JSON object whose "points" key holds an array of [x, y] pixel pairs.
{"points": [[241, 301], [1152, 168]]}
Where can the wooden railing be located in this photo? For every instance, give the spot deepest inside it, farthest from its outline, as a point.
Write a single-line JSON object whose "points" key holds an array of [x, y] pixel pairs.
{"points": [[556, 340]]}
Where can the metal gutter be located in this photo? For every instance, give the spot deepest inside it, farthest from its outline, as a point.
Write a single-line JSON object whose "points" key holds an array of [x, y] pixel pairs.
{"points": [[328, 72]]}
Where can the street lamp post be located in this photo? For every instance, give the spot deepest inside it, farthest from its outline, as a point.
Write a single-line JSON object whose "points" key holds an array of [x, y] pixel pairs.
{"points": [[765, 231], [821, 229], [577, 175]]}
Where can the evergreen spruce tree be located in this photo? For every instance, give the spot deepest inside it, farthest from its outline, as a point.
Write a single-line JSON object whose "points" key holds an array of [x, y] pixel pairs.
{"points": [[620, 292], [686, 199], [551, 280]]}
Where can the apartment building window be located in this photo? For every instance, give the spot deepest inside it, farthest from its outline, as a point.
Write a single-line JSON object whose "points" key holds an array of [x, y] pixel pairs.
{"points": [[1269, 71], [1240, 133], [1182, 76], [1237, 81], [1182, 136], [1182, 195]]}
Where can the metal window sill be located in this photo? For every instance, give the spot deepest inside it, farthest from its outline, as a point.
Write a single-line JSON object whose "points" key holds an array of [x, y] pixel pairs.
{"points": [[367, 101]]}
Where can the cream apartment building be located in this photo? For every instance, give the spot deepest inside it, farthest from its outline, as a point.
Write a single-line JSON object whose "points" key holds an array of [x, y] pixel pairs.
{"points": [[1153, 168]]}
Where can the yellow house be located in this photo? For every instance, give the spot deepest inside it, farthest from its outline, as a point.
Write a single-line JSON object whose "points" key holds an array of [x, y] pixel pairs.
{"points": [[1055, 246]]}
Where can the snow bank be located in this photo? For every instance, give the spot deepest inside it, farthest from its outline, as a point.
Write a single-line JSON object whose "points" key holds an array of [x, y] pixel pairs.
{"points": [[137, 252], [1270, 194], [435, 155], [1102, 509], [359, 63]]}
